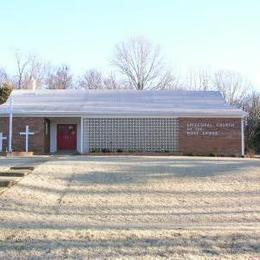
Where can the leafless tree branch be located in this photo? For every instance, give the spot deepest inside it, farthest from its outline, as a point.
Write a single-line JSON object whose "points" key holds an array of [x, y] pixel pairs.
{"points": [[142, 65], [234, 87], [29, 67], [59, 77]]}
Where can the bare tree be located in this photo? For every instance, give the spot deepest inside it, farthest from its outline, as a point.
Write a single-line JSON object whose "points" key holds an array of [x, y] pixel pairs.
{"points": [[91, 79], [29, 67], [198, 79], [111, 82], [141, 64], [21, 63], [59, 77], [94, 79], [170, 82], [233, 86]]}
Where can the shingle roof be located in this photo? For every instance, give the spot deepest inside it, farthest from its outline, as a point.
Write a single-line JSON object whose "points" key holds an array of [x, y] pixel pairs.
{"points": [[120, 102]]}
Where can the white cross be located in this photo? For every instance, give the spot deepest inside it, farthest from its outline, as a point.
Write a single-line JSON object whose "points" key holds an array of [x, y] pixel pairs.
{"points": [[26, 133], [2, 138]]}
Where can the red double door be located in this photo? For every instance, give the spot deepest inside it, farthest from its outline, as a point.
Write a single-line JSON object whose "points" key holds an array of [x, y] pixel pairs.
{"points": [[66, 137]]}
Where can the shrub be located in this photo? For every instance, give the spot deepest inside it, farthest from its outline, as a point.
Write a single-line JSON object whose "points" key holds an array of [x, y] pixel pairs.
{"points": [[5, 91], [95, 150], [105, 150], [250, 153]]}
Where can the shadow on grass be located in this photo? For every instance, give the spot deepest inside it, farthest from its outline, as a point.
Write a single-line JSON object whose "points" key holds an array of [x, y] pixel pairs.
{"points": [[141, 170], [132, 174], [143, 191], [178, 243]]}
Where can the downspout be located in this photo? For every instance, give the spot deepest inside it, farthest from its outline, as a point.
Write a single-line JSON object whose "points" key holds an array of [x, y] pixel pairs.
{"points": [[10, 124], [242, 138], [81, 135]]}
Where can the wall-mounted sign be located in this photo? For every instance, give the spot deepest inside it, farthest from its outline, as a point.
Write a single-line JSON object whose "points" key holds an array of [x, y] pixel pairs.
{"points": [[207, 128]]}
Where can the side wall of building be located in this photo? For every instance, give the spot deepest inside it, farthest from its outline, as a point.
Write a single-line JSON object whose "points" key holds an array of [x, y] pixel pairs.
{"points": [[38, 143], [210, 136]]}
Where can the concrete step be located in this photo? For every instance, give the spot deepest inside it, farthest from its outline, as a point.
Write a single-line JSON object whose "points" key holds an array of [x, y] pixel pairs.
{"points": [[14, 173], [7, 182], [22, 168]]}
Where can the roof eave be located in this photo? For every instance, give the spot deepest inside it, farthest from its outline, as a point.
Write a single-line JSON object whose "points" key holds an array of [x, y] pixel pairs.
{"points": [[169, 114]]}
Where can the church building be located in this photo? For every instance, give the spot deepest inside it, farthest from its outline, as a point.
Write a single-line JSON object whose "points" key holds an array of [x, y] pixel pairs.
{"points": [[85, 121]]}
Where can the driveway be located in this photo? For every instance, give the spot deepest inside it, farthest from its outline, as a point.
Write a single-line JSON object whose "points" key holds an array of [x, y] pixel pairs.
{"points": [[127, 206]]}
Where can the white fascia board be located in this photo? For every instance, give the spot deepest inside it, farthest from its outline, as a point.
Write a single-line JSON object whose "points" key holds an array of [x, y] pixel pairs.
{"points": [[50, 115], [162, 116]]}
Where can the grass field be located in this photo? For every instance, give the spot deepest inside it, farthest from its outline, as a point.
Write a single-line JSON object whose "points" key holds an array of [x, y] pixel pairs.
{"points": [[133, 207]]}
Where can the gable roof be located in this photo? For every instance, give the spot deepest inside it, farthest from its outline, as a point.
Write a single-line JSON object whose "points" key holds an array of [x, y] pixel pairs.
{"points": [[119, 102]]}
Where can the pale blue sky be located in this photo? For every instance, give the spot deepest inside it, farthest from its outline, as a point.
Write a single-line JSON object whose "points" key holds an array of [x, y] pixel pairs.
{"points": [[191, 33]]}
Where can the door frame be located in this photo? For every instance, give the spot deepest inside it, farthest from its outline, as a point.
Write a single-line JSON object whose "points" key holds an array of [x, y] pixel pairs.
{"points": [[57, 139]]}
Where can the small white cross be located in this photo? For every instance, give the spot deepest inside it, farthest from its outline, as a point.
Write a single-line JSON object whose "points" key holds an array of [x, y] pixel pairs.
{"points": [[26, 133], [2, 138]]}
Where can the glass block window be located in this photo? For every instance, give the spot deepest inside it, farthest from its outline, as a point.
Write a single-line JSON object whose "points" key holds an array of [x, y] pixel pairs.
{"points": [[130, 134]]}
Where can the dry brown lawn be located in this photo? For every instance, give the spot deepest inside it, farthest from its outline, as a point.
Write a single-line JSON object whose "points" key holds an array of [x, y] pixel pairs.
{"points": [[132, 207]]}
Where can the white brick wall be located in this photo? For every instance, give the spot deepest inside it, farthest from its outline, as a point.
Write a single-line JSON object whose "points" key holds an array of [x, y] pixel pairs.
{"points": [[130, 134]]}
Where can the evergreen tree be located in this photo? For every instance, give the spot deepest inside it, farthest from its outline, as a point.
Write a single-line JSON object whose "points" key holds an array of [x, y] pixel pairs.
{"points": [[5, 91]]}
